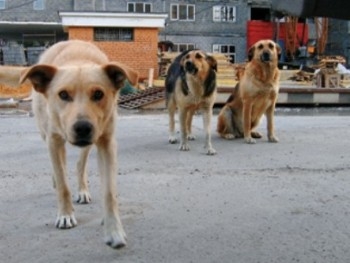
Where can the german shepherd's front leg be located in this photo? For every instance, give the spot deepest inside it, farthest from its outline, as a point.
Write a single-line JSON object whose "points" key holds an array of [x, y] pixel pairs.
{"points": [[65, 216], [247, 121], [184, 139], [114, 232], [207, 114], [171, 111]]}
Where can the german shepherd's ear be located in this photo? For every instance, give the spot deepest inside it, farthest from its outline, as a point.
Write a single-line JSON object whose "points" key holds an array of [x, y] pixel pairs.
{"points": [[212, 62], [118, 72], [251, 53], [39, 75]]}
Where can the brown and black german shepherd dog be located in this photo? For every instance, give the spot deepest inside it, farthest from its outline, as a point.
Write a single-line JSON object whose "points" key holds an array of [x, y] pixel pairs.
{"points": [[255, 95], [191, 85]]}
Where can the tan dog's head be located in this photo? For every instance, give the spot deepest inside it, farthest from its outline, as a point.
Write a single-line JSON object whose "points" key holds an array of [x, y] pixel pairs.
{"points": [[80, 99], [265, 51], [197, 63]]}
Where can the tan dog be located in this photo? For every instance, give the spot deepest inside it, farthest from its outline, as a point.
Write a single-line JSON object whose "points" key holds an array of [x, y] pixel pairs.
{"points": [[74, 100], [255, 95], [191, 85]]}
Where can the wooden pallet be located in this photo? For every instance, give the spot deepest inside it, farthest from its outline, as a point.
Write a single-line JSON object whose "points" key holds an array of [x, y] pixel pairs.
{"points": [[141, 98]]}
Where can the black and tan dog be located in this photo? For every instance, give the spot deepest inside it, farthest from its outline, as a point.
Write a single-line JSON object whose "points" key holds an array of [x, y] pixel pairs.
{"points": [[190, 86], [255, 95]]}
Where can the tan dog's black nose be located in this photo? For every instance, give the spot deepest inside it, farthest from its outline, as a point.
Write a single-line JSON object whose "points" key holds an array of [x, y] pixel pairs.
{"points": [[83, 133], [265, 56]]}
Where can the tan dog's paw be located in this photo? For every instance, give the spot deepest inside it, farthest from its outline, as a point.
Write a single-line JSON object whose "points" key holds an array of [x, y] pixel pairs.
{"points": [[211, 151], [256, 134], [191, 137], [273, 139], [83, 197], [115, 236], [250, 140], [228, 136], [66, 221], [184, 147], [172, 139]]}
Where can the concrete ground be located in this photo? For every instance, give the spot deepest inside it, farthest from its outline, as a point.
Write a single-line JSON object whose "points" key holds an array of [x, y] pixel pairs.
{"points": [[262, 203]]}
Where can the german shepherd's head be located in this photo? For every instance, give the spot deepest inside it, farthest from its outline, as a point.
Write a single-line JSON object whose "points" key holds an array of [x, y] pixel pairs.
{"points": [[198, 64]]}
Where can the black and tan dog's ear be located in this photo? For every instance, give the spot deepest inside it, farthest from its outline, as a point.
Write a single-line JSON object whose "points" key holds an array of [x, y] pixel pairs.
{"points": [[212, 62], [118, 72], [251, 53], [39, 75]]}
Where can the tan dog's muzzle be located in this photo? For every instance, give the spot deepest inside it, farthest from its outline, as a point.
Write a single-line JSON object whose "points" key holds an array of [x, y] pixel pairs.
{"points": [[266, 56], [83, 133]]}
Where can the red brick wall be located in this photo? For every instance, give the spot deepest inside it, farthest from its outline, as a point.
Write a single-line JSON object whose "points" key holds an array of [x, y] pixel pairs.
{"points": [[140, 54]]}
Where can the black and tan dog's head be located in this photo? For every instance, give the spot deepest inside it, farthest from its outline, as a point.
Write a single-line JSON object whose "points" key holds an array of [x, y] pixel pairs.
{"points": [[198, 63], [265, 51]]}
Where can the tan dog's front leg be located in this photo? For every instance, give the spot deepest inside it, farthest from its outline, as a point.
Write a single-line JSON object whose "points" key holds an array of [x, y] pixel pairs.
{"points": [[207, 114], [184, 140], [65, 217], [83, 191], [114, 232], [247, 122], [270, 124]]}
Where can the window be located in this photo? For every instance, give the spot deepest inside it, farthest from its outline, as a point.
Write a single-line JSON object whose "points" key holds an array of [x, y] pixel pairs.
{"points": [[38, 5], [228, 50], [113, 34], [182, 47], [139, 7], [2, 4], [182, 12], [224, 13]]}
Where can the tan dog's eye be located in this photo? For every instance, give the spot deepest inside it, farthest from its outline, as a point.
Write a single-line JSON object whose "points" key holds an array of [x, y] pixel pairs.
{"points": [[97, 95], [65, 96], [271, 46], [261, 46]]}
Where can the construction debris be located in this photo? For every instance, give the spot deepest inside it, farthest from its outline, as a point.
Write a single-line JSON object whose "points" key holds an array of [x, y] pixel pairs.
{"points": [[141, 98]]}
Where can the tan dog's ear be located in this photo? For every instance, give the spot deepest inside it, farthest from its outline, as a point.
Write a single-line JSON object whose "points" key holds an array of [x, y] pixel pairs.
{"points": [[279, 51], [39, 75], [212, 62], [251, 53], [118, 72]]}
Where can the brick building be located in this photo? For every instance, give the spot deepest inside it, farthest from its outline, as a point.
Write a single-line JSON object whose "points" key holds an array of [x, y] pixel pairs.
{"points": [[133, 39]]}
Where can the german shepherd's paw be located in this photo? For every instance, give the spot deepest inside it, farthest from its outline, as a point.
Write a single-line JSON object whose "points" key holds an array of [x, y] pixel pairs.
{"points": [[115, 236], [250, 140], [66, 221], [83, 197], [184, 147]]}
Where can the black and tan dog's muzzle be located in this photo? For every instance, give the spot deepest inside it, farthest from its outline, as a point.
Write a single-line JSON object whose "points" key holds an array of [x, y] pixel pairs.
{"points": [[190, 67]]}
